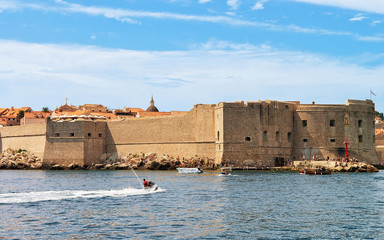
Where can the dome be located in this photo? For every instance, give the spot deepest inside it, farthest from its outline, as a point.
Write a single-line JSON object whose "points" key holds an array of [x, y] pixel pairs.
{"points": [[152, 108]]}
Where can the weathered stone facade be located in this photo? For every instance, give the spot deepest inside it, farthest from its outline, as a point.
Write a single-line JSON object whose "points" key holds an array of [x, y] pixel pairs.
{"points": [[263, 133]]}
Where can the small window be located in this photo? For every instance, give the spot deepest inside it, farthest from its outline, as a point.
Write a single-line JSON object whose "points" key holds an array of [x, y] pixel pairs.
{"points": [[219, 146], [332, 123], [286, 107], [305, 140], [277, 136], [100, 135], [305, 123], [218, 136], [289, 137], [360, 123], [247, 139], [72, 134], [360, 138], [57, 135], [265, 136], [89, 134], [332, 140]]}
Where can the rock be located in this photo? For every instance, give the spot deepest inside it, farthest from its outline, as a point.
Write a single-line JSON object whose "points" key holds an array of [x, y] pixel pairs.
{"points": [[338, 169], [154, 165], [73, 166], [371, 168], [99, 166], [57, 167]]}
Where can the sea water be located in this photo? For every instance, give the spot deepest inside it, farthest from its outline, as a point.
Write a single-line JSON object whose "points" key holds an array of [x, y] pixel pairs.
{"points": [[245, 205]]}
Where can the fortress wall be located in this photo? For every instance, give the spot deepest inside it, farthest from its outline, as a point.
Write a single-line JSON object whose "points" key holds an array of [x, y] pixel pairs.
{"points": [[351, 121], [80, 142], [185, 136], [29, 137], [257, 132], [94, 144]]}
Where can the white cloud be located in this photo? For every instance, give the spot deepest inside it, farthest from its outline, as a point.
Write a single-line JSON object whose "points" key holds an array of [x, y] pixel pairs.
{"points": [[204, 1], [370, 38], [209, 73], [358, 17], [375, 22], [234, 4], [374, 6], [129, 16], [259, 5]]}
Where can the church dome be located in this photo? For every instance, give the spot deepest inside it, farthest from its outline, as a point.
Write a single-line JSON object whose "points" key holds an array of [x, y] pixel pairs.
{"points": [[152, 108]]}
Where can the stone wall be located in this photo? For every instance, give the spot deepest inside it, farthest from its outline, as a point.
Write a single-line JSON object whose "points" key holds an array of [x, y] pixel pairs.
{"points": [[29, 137], [254, 133], [353, 121], [184, 136], [80, 142]]}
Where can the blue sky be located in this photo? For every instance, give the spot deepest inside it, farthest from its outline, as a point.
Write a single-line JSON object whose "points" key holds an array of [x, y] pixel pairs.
{"points": [[118, 53]]}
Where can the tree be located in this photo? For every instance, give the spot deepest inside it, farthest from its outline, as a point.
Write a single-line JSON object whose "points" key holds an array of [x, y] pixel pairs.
{"points": [[379, 114], [20, 115], [45, 109]]}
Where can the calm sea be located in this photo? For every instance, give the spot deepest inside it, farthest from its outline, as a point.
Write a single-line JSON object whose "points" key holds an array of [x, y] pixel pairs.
{"points": [[246, 205]]}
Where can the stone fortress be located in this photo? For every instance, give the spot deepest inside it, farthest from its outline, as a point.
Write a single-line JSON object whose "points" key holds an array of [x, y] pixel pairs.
{"points": [[263, 133]]}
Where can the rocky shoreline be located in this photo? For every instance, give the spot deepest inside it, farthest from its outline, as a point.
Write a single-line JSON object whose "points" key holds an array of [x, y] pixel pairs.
{"points": [[24, 160]]}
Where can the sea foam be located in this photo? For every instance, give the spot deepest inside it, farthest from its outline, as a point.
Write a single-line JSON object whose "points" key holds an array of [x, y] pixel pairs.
{"points": [[25, 197]]}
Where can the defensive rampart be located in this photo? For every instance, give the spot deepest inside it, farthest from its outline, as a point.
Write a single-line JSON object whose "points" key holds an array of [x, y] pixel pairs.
{"points": [[184, 136], [28, 137], [263, 133]]}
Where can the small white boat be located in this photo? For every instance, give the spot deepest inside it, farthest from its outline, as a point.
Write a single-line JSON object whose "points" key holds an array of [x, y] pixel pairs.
{"points": [[189, 170]]}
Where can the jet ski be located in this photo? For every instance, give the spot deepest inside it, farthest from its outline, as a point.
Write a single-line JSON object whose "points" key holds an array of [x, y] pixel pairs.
{"points": [[151, 187]]}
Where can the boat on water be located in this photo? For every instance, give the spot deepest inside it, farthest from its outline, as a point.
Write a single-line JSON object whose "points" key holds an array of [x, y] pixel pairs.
{"points": [[190, 170], [314, 171], [153, 187], [226, 171]]}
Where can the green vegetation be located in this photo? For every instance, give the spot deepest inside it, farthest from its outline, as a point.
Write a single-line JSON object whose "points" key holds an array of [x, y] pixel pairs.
{"points": [[21, 150], [45, 109], [378, 114], [20, 115]]}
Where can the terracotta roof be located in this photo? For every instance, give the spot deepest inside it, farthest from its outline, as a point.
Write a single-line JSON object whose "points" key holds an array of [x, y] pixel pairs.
{"points": [[37, 114], [134, 109]]}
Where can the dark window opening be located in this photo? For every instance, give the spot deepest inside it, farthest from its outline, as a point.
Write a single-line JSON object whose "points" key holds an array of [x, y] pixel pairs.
{"points": [[89, 134], [332, 123], [57, 134], [265, 136], [305, 140], [305, 123], [247, 139], [332, 140], [100, 135], [72, 134], [218, 136], [278, 136], [360, 123], [360, 138], [286, 107], [289, 137]]}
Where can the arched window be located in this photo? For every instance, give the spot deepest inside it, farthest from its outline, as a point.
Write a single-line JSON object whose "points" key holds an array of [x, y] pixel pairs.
{"points": [[346, 119]]}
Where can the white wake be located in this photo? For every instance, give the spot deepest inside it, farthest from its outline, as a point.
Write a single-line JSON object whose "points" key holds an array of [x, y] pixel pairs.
{"points": [[70, 194]]}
